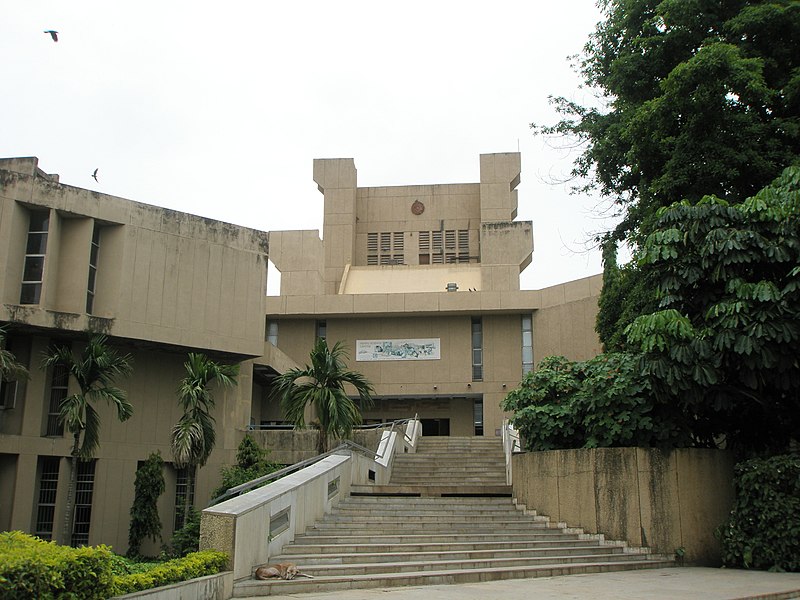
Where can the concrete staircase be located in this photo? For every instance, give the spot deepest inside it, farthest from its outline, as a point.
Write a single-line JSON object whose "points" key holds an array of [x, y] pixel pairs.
{"points": [[447, 520]]}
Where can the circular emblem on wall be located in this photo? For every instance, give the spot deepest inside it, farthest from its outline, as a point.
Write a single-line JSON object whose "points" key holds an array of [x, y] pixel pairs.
{"points": [[418, 207]]}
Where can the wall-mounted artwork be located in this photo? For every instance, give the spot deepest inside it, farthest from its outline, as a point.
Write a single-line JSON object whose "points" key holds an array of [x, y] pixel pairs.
{"points": [[372, 350]]}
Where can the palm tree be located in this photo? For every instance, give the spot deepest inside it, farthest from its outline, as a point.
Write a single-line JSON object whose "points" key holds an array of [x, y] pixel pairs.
{"points": [[193, 436], [94, 371], [323, 385], [10, 368]]}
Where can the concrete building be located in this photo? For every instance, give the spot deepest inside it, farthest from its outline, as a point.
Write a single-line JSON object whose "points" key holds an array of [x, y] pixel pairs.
{"points": [[421, 283]]}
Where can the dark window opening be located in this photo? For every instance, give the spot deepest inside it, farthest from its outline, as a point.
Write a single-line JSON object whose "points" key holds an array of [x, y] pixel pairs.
{"points": [[46, 502], [84, 491]]}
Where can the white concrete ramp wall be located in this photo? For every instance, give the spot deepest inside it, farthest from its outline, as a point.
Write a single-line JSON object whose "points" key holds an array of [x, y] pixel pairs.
{"points": [[241, 526]]}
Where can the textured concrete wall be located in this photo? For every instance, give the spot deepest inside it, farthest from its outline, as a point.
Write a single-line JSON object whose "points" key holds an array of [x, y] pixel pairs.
{"points": [[663, 500]]}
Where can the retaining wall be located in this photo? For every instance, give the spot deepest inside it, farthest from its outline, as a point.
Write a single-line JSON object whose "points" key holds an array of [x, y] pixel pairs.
{"points": [[647, 497]]}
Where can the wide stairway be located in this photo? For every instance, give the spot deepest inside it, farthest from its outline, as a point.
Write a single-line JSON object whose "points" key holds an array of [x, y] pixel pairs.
{"points": [[437, 523]]}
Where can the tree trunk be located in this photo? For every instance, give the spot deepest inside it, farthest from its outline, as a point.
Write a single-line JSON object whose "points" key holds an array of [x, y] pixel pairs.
{"points": [[73, 481]]}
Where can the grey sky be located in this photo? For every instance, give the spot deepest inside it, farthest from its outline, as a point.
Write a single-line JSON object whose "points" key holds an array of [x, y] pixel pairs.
{"points": [[220, 111]]}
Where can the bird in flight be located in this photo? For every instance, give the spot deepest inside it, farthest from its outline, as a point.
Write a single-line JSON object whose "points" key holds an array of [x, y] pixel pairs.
{"points": [[95, 175], [53, 34]]}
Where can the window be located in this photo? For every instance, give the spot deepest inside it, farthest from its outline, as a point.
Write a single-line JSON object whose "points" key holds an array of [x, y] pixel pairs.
{"points": [[91, 285], [84, 491], [527, 344], [59, 384], [35, 251], [477, 415], [322, 329], [385, 248], [446, 246], [272, 332], [8, 394], [181, 489], [477, 349], [46, 505]]}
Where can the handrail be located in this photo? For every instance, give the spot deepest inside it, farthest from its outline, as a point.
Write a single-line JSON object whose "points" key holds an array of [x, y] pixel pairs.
{"points": [[344, 445]]}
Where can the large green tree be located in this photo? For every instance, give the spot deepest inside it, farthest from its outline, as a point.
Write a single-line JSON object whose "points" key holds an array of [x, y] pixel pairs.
{"points": [[194, 436], [94, 371], [322, 384], [717, 364], [694, 98], [724, 347]]}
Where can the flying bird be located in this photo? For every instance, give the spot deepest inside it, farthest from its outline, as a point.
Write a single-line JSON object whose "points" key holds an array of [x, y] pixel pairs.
{"points": [[95, 175], [53, 34]]}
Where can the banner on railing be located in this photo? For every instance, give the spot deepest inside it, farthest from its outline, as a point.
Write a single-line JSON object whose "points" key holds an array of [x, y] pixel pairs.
{"points": [[418, 349]]}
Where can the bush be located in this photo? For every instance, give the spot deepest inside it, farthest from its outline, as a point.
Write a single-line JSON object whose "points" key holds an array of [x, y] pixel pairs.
{"points": [[600, 403], [196, 564], [187, 538], [763, 529], [251, 463], [145, 522], [33, 568]]}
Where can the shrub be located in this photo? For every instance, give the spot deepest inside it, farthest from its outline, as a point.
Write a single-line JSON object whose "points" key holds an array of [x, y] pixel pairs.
{"points": [[603, 402], [251, 463], [187, 538], [145, 522], [196, 564], [33, 568], [763, 529]]}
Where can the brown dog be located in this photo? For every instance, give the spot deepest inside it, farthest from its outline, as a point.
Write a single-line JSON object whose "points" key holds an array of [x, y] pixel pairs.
{"points": [[285, 570]]}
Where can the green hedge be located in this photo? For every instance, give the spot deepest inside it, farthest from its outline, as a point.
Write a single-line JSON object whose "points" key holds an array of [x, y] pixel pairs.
{"points": [[763, 529], [33, 568], [196, 564]]}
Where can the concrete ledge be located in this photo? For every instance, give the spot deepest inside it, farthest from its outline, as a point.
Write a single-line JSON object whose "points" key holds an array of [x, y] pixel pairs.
{"points": [[210, 587]]}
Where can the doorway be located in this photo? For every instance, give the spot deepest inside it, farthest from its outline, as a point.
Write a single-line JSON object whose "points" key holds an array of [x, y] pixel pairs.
{"points": [[431, 427]]}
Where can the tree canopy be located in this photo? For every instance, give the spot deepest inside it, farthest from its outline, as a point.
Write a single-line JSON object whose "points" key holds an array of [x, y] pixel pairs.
{"points": [[694, 98], [698, 98], [717, 363], [724, 346]]}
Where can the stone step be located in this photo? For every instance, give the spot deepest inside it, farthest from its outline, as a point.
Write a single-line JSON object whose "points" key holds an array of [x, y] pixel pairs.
{"points": [[399, 518], [446, 503], [376, 545], [448, 490], [449, 554], [322, 537], [423, 511], [444, 518], [254, 588], [377, 568]]}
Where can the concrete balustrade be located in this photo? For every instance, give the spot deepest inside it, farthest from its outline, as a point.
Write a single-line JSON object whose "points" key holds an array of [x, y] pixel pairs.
{"points": [[255, 526]]}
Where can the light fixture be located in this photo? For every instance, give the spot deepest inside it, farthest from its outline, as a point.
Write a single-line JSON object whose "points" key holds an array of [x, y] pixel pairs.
{"points": [[434, 387], [469, 385], [504, 385]]}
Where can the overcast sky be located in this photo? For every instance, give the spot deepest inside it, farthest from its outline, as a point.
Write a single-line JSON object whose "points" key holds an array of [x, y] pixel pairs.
{"points": [[221, 111]]}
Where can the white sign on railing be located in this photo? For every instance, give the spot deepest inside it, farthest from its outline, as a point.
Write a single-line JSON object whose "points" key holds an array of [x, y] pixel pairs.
{"points": [[420, 349]]}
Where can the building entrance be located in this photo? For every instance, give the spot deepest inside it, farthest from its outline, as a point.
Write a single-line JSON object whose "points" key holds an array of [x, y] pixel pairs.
{"points": [[431, 427]]}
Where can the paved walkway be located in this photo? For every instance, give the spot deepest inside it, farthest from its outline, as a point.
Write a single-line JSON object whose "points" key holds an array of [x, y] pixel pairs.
{"points": [[650, 584]]}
